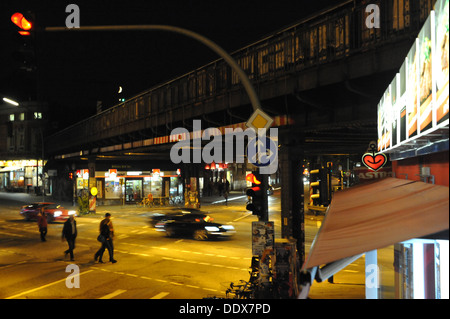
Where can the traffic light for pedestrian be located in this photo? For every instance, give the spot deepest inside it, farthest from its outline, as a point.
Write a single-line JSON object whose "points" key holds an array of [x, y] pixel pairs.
{"points": [[26, 26], [255, 194]]}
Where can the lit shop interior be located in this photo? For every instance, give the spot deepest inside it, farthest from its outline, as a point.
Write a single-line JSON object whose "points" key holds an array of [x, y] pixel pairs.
{"points": [[128, 187]]}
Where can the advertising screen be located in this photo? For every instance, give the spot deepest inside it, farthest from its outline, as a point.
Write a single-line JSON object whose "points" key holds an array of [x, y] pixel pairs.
{"points": [[441, 58], [415, 104]]}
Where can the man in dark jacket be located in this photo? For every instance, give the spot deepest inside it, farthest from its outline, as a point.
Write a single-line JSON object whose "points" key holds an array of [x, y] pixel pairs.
{"points": [[107, 231], [69, 232]]}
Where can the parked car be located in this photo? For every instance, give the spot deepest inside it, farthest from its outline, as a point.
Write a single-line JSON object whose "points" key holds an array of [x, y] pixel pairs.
{"points": [[196, 225], [53, 211]]}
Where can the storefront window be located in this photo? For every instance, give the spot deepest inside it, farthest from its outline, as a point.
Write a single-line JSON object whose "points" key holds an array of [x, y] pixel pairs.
{"points": [[112, 188], [133, 190], [156, 186]]}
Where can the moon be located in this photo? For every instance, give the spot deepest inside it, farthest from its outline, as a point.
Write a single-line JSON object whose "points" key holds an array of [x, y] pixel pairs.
{"points": [[120, 89]]}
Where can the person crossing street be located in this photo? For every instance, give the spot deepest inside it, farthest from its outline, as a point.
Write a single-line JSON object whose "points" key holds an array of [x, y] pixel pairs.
{"points": [[69, 232], [106, 238]]}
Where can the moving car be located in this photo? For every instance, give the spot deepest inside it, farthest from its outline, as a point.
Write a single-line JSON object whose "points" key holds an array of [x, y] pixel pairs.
{"points": [[52, 210], [161, 216], [196, 225]]}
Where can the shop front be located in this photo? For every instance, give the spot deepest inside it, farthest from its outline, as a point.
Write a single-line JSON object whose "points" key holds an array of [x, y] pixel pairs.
{"points": [[21, 176], [131, 187]]}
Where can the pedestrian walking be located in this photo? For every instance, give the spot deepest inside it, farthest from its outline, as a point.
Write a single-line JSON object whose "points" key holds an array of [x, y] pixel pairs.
{"points": [[42, 223], [69, 232], [225, 194], [106, 238]]}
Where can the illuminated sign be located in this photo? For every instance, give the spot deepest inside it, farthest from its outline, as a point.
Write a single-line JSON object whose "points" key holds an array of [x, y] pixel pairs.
{"points": [[372, 160], [415, 103]]}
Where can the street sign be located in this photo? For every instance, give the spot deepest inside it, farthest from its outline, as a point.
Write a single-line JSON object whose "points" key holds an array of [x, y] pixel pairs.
{"points": [[259, 119], [262, 154]]}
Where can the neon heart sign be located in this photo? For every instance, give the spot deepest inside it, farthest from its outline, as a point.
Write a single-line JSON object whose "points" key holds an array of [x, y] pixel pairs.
{"points": [[372, 160]]}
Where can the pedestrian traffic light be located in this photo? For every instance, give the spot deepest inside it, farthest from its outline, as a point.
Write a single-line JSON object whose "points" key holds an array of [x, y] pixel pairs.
{"points": [[25, 25], [255, 194]]}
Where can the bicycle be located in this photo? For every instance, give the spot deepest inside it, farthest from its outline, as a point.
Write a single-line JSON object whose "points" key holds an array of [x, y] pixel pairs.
{"points": [[175, 200], [145, 202], [246, 289]]}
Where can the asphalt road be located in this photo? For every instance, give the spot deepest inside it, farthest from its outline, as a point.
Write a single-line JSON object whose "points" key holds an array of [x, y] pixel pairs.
{"points": [[150, 265]]}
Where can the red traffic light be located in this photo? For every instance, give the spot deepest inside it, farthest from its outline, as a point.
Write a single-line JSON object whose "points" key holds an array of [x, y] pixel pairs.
{"points": [[19, 20], [252, 179]]}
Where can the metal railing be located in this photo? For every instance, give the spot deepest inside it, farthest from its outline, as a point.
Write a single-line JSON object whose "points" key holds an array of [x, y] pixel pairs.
{"points": [[332, 34]]}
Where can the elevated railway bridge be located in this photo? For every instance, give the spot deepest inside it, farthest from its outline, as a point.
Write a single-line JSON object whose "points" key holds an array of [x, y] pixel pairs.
{"points": [[320, 79]]}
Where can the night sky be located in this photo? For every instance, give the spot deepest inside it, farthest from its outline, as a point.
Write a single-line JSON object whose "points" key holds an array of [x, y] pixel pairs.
{"points": [[77, 69]]}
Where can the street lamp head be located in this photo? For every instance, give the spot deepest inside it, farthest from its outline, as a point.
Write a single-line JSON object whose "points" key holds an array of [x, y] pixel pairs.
{"points": [[5, 99]]}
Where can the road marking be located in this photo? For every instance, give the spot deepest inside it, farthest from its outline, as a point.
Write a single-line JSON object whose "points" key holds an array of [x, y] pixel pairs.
{"points": [[113, 294], [177, 250], [11, 234], [147, 278], [45, 286], [160, 295], [15, 264], [203, 263], [190, 286], [242, 217], [230, 199], [209, 289], [175, 283]]}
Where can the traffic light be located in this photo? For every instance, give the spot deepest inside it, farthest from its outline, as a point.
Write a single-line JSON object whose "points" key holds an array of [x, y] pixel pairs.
{"points": [[320, 188], [255, 194], [70, 175], [26, 26], [25, 53], [314, 187]]}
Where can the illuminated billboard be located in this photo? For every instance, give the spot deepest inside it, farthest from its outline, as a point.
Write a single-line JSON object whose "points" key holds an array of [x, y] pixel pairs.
{"points": [[415, 104]]}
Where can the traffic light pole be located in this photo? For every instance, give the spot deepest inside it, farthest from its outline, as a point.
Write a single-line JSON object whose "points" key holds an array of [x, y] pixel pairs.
{"points": [[264, 215]]}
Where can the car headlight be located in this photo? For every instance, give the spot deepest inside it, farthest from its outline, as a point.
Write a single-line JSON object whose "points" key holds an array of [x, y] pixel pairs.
{"points": [[212, 228], [57, 213], [72, 212], [228, 227]]}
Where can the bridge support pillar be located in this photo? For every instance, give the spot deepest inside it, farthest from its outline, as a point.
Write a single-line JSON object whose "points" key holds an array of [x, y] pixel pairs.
{"points": [[191, 187], [292, 201]]}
